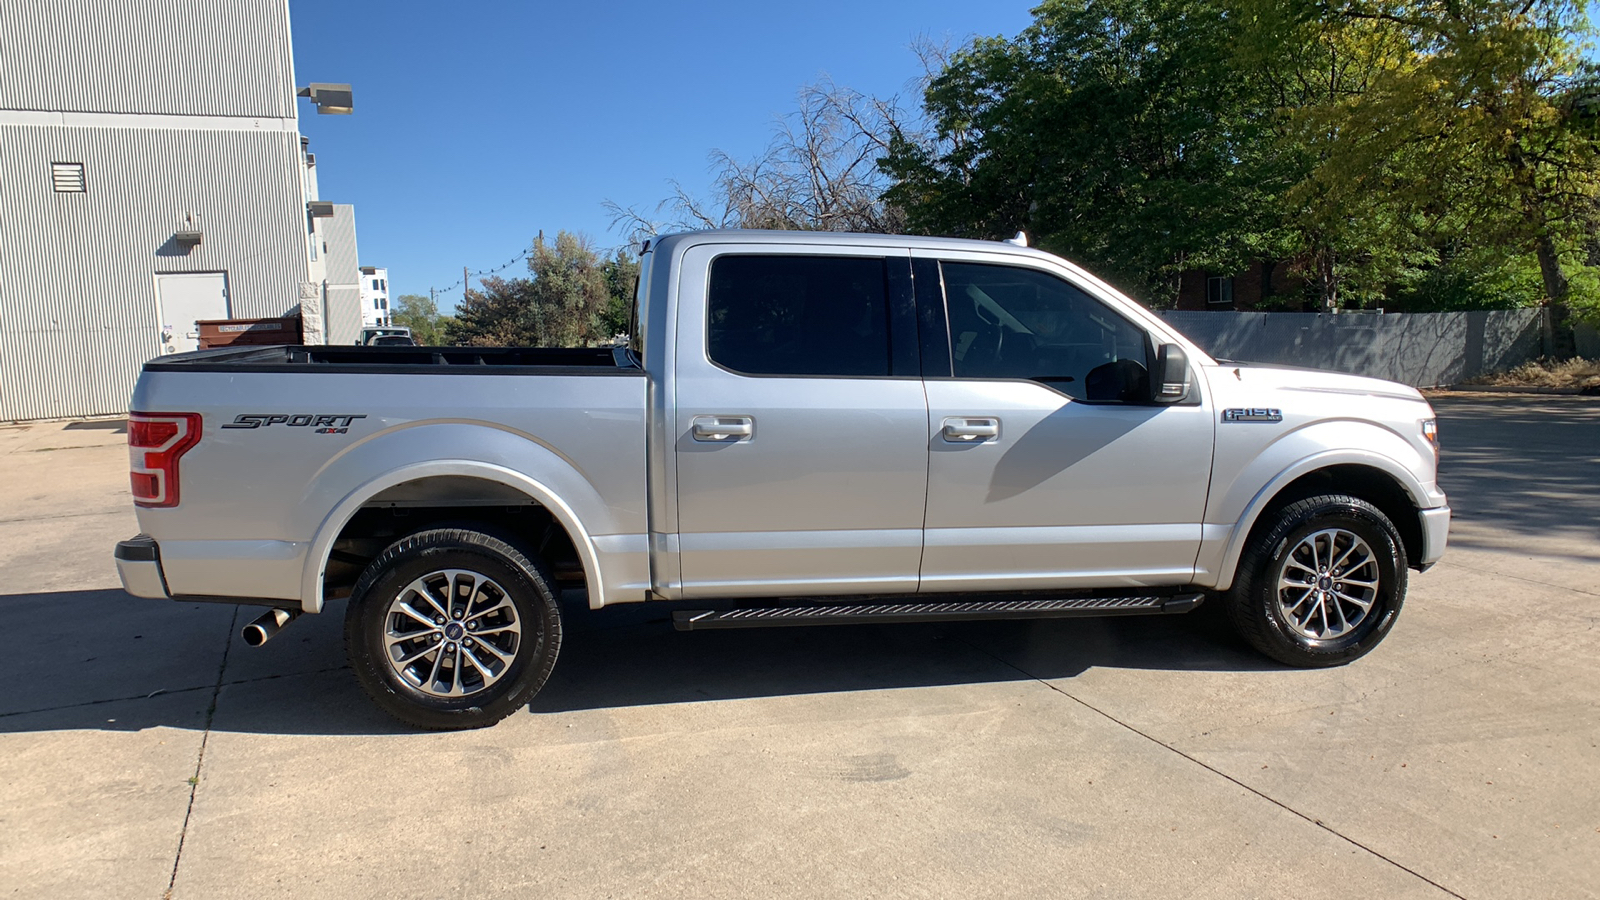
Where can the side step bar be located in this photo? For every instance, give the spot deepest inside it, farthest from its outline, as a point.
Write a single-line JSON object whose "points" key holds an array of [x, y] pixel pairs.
{"points": [[943, 611]]}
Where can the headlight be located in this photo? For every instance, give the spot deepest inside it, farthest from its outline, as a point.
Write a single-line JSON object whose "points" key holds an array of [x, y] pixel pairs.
{"points": [[1430, 433]]}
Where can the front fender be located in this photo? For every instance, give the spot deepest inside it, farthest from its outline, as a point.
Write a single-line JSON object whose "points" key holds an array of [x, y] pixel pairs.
{"points": [[1237, 502]]}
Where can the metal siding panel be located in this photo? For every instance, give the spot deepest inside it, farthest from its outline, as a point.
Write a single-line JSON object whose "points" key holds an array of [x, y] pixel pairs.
{"points": [[344, 314], [1421, 349], [340, 236], [180, 57], [77, 287]]}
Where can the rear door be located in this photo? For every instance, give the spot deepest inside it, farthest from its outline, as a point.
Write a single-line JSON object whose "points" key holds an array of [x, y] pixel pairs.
{"points": [[182, 299], [1039, 476], [801, 427]]}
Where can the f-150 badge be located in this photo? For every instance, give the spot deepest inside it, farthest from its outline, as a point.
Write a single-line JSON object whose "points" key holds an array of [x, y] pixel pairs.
{"points": [[1252, 415], [317, 423]]}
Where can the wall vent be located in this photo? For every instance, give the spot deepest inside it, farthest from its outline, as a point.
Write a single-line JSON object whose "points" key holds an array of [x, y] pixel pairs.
{"points": [[67, 177]]}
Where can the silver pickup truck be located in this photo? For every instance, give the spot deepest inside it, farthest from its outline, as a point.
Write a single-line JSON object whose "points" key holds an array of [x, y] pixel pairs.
{"points": [[807, 429]]}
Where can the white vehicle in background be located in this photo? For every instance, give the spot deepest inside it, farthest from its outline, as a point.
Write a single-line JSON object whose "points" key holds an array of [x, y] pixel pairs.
{"points": [[807, 429], [371, 333]]}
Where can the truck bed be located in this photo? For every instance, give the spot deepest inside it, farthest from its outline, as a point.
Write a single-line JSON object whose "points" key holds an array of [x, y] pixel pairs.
{"points": [[402, 360]]}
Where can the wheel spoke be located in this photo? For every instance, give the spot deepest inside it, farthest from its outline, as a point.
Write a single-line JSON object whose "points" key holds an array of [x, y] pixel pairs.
{"points": [[406, 609], [407, 659], [503, 655], [505, 603], [1357, 602], [489, 675]]}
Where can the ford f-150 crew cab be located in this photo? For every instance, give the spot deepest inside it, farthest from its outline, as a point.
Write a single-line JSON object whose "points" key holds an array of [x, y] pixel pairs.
{"points": [[807, 429]]}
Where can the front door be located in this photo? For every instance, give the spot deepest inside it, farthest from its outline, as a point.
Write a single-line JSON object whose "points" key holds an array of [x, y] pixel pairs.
{"points": [[182, 299], [801, 428], [1040, 475]]}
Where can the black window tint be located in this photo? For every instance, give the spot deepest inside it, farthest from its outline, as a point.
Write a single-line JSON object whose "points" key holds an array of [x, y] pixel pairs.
{"points": [[1008, 322], [799, 315]]}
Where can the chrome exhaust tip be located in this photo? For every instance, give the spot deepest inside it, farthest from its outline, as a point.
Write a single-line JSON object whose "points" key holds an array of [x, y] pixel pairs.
{"points": [[269, 624]]}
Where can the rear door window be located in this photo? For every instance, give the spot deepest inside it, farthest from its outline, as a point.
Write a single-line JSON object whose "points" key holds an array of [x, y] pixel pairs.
{"points": [[799, 315]]}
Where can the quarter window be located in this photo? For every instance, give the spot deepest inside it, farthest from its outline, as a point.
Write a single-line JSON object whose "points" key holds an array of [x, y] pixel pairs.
{"points": [[799, 315], [1009, 322]]}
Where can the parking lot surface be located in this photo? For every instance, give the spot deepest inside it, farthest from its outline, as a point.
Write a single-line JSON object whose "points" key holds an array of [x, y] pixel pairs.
{"points": [[145, 751]]}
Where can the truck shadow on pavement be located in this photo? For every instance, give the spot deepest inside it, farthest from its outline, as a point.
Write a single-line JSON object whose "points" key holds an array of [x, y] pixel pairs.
{"points": [[101, 660]]}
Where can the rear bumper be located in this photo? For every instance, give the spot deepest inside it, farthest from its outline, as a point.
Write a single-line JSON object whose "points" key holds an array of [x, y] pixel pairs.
{"points": [[139, 567], [1435, 533]]}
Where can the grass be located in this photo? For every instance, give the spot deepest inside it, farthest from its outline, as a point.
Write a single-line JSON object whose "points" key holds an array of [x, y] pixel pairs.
{"points": [[1576, 374]]}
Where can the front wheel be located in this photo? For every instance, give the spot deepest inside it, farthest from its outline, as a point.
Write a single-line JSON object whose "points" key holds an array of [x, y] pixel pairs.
{"points": [[452, 628], [1321, 583]]}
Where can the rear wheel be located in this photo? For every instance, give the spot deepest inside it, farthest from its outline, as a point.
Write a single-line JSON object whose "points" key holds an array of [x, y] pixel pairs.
{"points": [[1321, 585], [452, 628]]}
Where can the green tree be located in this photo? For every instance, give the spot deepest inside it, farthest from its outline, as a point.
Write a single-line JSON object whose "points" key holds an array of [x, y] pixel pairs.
{"points": [[1461, 140], [421, 315], [622, 279], [565, 302], [1121, 133]]}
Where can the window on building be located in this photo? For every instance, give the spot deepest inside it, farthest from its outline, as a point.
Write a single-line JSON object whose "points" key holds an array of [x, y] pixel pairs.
{"points": [[1219, 291], [67, 178], [1009, 322], [374, 284], [375, 303], [799, 315], [383, 284], [385, 301]]}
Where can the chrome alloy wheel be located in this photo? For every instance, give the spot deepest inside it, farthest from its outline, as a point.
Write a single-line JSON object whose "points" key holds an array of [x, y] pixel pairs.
{"points": [[1328, 584], [451, 633]]}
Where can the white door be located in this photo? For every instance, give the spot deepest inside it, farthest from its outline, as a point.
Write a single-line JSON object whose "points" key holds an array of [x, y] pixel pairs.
{"points": [[182, 300]]}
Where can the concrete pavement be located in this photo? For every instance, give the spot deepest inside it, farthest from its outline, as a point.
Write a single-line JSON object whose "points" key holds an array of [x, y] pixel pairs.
{"points": [[143, 747]]}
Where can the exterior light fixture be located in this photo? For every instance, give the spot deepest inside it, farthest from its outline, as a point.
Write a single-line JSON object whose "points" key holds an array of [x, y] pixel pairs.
{"points": [[331, 99]]}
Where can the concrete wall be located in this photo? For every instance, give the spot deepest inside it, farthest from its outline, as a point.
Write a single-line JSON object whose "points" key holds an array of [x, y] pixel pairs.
{"points": [[1421, 349]]}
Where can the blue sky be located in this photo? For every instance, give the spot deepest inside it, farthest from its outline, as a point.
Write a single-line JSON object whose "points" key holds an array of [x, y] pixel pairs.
{"points": [[479, 123]]}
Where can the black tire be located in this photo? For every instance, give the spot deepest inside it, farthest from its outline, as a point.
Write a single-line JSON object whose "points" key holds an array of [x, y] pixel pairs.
{"points": [[508, 596], [1283, 547]]}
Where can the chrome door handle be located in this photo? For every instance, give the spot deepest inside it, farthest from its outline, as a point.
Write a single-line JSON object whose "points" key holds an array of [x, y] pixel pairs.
{"points": [[970, 430], [723, 429]]}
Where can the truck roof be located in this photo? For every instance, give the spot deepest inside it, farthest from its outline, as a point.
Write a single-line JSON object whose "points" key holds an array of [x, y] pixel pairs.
{"points": [[836, 239]]}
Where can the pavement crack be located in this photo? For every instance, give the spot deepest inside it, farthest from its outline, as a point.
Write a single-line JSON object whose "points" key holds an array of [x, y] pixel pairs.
{"points": [[1213, 770], [200, 759], [164, 692], [1522, 578]]}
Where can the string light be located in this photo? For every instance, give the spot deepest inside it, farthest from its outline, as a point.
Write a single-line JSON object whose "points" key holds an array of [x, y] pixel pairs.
{"points": [[482, 272]]}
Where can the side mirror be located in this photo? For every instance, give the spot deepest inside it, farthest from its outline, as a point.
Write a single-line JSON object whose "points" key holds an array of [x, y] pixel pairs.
{"points": [[1171, 381]]}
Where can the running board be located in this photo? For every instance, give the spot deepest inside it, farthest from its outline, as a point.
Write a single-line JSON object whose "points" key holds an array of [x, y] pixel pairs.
{"points": [[946, 611]]}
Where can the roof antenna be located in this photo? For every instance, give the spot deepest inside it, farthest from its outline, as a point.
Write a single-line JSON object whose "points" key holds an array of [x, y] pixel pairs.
{"points": [[1021, 240]]}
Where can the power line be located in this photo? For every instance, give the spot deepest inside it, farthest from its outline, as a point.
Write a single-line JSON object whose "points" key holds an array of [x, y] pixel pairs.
{"points": [[461, 282]]}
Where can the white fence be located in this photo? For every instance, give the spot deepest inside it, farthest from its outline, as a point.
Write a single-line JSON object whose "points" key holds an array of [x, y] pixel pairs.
{"points": [[1422, 349]]}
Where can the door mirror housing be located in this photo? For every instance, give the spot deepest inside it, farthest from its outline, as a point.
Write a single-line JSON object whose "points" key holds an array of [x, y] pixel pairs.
{"points": [[1173, 380]]}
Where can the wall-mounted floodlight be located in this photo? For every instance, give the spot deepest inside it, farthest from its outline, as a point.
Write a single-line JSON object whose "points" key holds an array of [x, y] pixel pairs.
{"points": [[331, 99]]}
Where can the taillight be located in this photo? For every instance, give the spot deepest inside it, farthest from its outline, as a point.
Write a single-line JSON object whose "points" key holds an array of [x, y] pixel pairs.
{"points": [[155, 442]]}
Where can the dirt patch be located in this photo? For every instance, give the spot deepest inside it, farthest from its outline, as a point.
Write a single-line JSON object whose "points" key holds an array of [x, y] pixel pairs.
{"points": [[1575, 375]]}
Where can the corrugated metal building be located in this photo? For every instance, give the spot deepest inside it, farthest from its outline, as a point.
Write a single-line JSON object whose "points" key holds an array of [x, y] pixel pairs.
{"points": [[151, 172]]}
